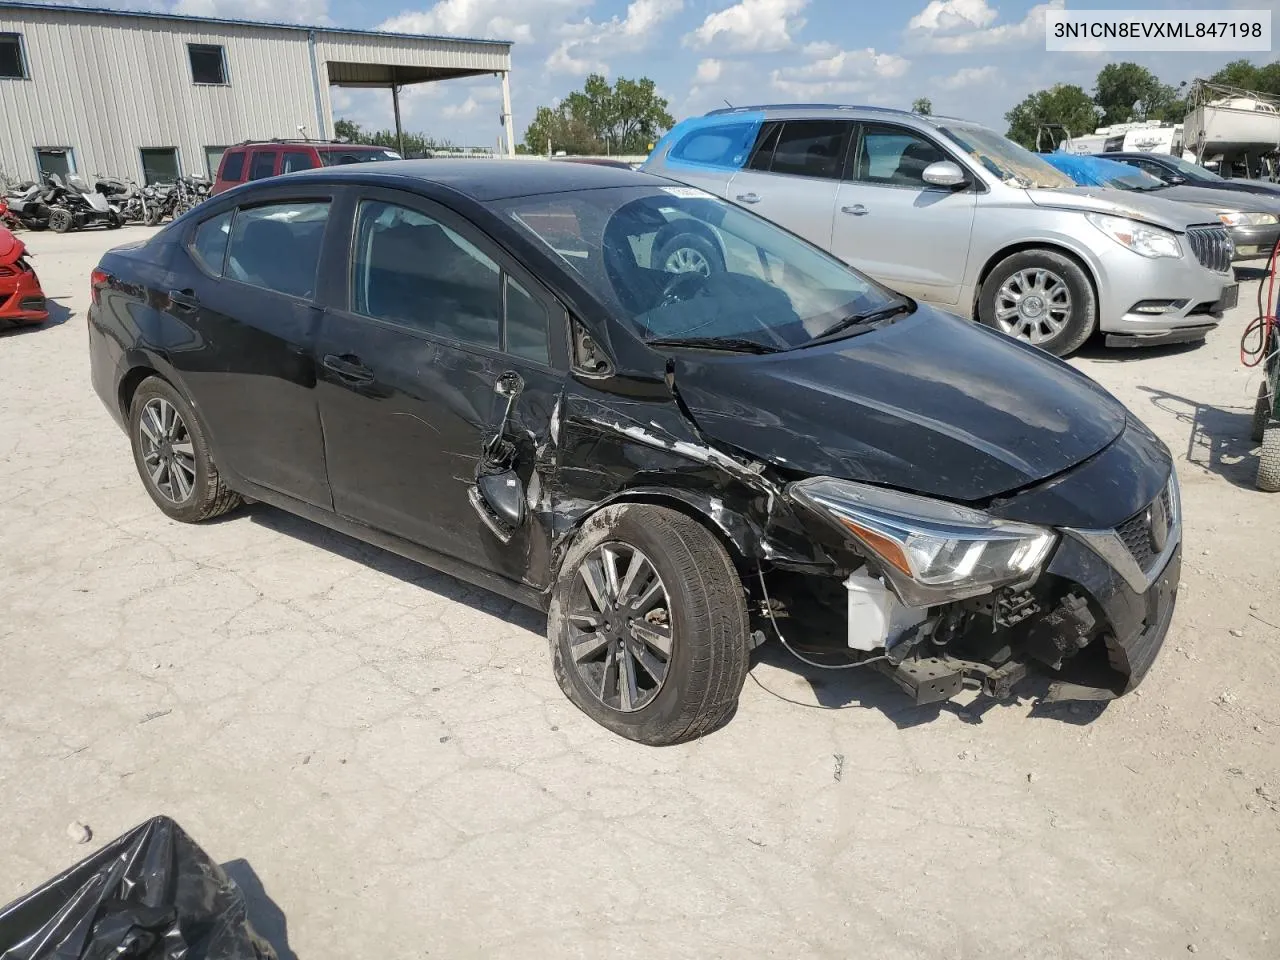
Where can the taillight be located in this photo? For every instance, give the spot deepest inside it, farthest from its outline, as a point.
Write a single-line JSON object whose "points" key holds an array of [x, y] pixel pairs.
{"points": [[97, 280], [7, 271]]}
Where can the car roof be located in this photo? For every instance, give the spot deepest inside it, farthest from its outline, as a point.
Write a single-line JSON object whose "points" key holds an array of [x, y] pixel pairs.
{"points": [[773, 111], [317, 144], [486, 180], [1135, 154]]}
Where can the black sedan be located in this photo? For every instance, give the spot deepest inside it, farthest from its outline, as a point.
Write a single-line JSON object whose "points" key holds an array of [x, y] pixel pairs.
{"points": [[480, 364], [1174, 171]]}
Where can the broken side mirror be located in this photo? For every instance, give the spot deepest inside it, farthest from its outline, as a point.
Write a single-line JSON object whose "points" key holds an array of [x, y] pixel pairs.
{"points": [[503, 493], [498, 494]]}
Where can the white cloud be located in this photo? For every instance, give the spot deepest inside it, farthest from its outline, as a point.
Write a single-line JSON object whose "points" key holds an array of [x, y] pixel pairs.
{"points": [[585, 45], [952, 14], [751, 26], [495, 19], [820, 49], [708, 71], [956, 34], [970, 77], [299, 11], [846, 71]]}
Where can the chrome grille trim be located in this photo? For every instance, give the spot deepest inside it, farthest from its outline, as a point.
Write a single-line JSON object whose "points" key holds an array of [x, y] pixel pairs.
{"points": [[1110, 545], [1212, 247]]}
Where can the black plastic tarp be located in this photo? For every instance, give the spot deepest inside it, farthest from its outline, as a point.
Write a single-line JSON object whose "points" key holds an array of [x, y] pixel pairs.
{"points": [[151, 894]]}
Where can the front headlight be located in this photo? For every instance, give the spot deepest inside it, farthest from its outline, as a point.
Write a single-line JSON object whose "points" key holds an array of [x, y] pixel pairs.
{"points": [[1243, 219], [946, 552], [1141, 238]]}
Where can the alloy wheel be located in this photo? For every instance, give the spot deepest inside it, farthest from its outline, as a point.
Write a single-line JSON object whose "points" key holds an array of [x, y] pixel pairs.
{"points": [[687, 260], [620, 632], [1033, 305], [167, 450]]}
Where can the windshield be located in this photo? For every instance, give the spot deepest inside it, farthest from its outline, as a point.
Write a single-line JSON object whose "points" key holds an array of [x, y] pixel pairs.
{"points": [[1015, 165], [676, 263], [336, 158], [1192, 171]]}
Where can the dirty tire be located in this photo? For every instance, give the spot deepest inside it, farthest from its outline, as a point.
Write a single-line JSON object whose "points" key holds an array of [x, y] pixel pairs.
{"points": [[709, 655], [210, 497], [1269, 462], [1261, 413], [60, 220], [154, 216], [685, 252], [1084, 314]]}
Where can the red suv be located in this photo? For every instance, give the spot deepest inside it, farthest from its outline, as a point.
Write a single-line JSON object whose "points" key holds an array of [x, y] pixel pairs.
{"points": [[270, 158]]}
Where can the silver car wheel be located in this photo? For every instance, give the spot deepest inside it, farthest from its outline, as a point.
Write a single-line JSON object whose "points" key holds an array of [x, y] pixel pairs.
{"points": [[687, 260], [620, 638], [167, 450], [1033, 305]]}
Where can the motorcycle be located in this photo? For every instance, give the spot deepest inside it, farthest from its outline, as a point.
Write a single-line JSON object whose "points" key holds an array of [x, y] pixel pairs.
{"points": [[75, 206], [124, 195], [30, 207], [162, 201]]}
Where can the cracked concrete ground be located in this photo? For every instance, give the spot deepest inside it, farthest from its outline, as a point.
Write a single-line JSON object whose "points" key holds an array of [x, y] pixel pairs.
{"points": [[384, 746]]}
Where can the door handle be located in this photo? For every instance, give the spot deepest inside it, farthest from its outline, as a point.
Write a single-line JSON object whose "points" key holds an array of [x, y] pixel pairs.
{"points": [[184, 300], [748, 198], [856, 210], [348, 367]]}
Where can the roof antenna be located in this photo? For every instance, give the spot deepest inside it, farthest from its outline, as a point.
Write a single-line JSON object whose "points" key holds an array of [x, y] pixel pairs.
{"points": [[728, 104]]}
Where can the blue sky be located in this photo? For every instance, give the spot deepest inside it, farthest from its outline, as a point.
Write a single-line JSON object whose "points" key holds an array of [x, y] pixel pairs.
{"points": [[972, 58]]}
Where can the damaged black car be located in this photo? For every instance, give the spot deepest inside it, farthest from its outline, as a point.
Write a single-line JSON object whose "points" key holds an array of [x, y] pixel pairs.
{"points": [[679, 429]]}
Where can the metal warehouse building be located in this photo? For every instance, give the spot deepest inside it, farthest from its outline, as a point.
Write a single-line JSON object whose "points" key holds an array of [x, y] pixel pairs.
{"points": [[153, 96]]}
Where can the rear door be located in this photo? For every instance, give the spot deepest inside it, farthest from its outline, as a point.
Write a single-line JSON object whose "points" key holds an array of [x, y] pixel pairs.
{"points": [[263, 163], [910, 235], [793, 175], [430, 317], [243, 290]]}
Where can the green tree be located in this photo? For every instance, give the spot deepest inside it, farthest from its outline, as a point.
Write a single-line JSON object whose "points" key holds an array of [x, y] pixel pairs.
{"points": [[922, 106], [623, 117], [1129, 91], [1064, 103], [415, 144], [1250, 76]]}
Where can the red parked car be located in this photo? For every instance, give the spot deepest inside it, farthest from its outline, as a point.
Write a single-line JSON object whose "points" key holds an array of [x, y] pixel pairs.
{"points": [[21, 299], [270, 158]]}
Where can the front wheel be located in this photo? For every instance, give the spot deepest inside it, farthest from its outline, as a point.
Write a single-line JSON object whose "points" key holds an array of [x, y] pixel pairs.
{"points": [[648, 625], [172, 455], [61, 220], [1269, 462], [1042, 298]]}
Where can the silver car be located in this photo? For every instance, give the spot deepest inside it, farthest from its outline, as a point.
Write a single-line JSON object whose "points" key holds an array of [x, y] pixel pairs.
{"points": [[954, 214]]}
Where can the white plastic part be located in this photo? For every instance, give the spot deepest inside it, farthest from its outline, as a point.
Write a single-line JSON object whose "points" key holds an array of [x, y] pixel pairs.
{"points": [[876, 616]]}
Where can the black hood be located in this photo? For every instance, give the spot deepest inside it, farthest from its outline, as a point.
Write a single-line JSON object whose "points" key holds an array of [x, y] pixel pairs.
{"points": [[932, 404]]}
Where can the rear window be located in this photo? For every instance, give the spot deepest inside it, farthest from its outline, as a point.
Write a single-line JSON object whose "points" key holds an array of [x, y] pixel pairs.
{"points": [[728, 145], [263, 165], [277, 246], [337, 158], [297, 160], [233, 166]]}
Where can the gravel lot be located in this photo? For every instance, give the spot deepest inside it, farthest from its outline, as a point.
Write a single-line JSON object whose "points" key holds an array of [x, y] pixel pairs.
{"points": [[382, 755]]}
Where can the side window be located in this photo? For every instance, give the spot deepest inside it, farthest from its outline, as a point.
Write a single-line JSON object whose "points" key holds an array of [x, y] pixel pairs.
{"points": [[410, 269], [13, 65], [233, 168], [1152, 168], [894, 156], [277, 246], [762, 159], [526, 324], [297, 160], [209, 245], [263, 164], [811, 148], [726, 146]]}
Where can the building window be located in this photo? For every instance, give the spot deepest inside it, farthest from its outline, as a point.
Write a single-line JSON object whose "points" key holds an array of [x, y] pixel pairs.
{"points": [[13, 65], [59, 160], [208, 63], [212, 159], [159, 165]]}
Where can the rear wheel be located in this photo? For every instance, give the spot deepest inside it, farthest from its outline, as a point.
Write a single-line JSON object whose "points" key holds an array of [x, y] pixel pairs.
{"points": [[648, 625], [60, 220], [1042, 298], [1269, 462], [172, 455], [154, 216], [1261, 413]]}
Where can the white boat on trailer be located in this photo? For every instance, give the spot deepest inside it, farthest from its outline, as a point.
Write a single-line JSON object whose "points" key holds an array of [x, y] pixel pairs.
{"points": [[1226, 121]]}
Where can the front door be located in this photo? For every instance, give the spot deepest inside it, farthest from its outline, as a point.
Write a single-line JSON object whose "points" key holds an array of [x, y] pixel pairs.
{"points": [[793, 176], [908, 234], [241, 302], [432, 319]]}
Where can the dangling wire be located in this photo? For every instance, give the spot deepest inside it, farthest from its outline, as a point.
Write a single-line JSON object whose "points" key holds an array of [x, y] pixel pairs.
{"points": [[1258, 335], [768, 606]]}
